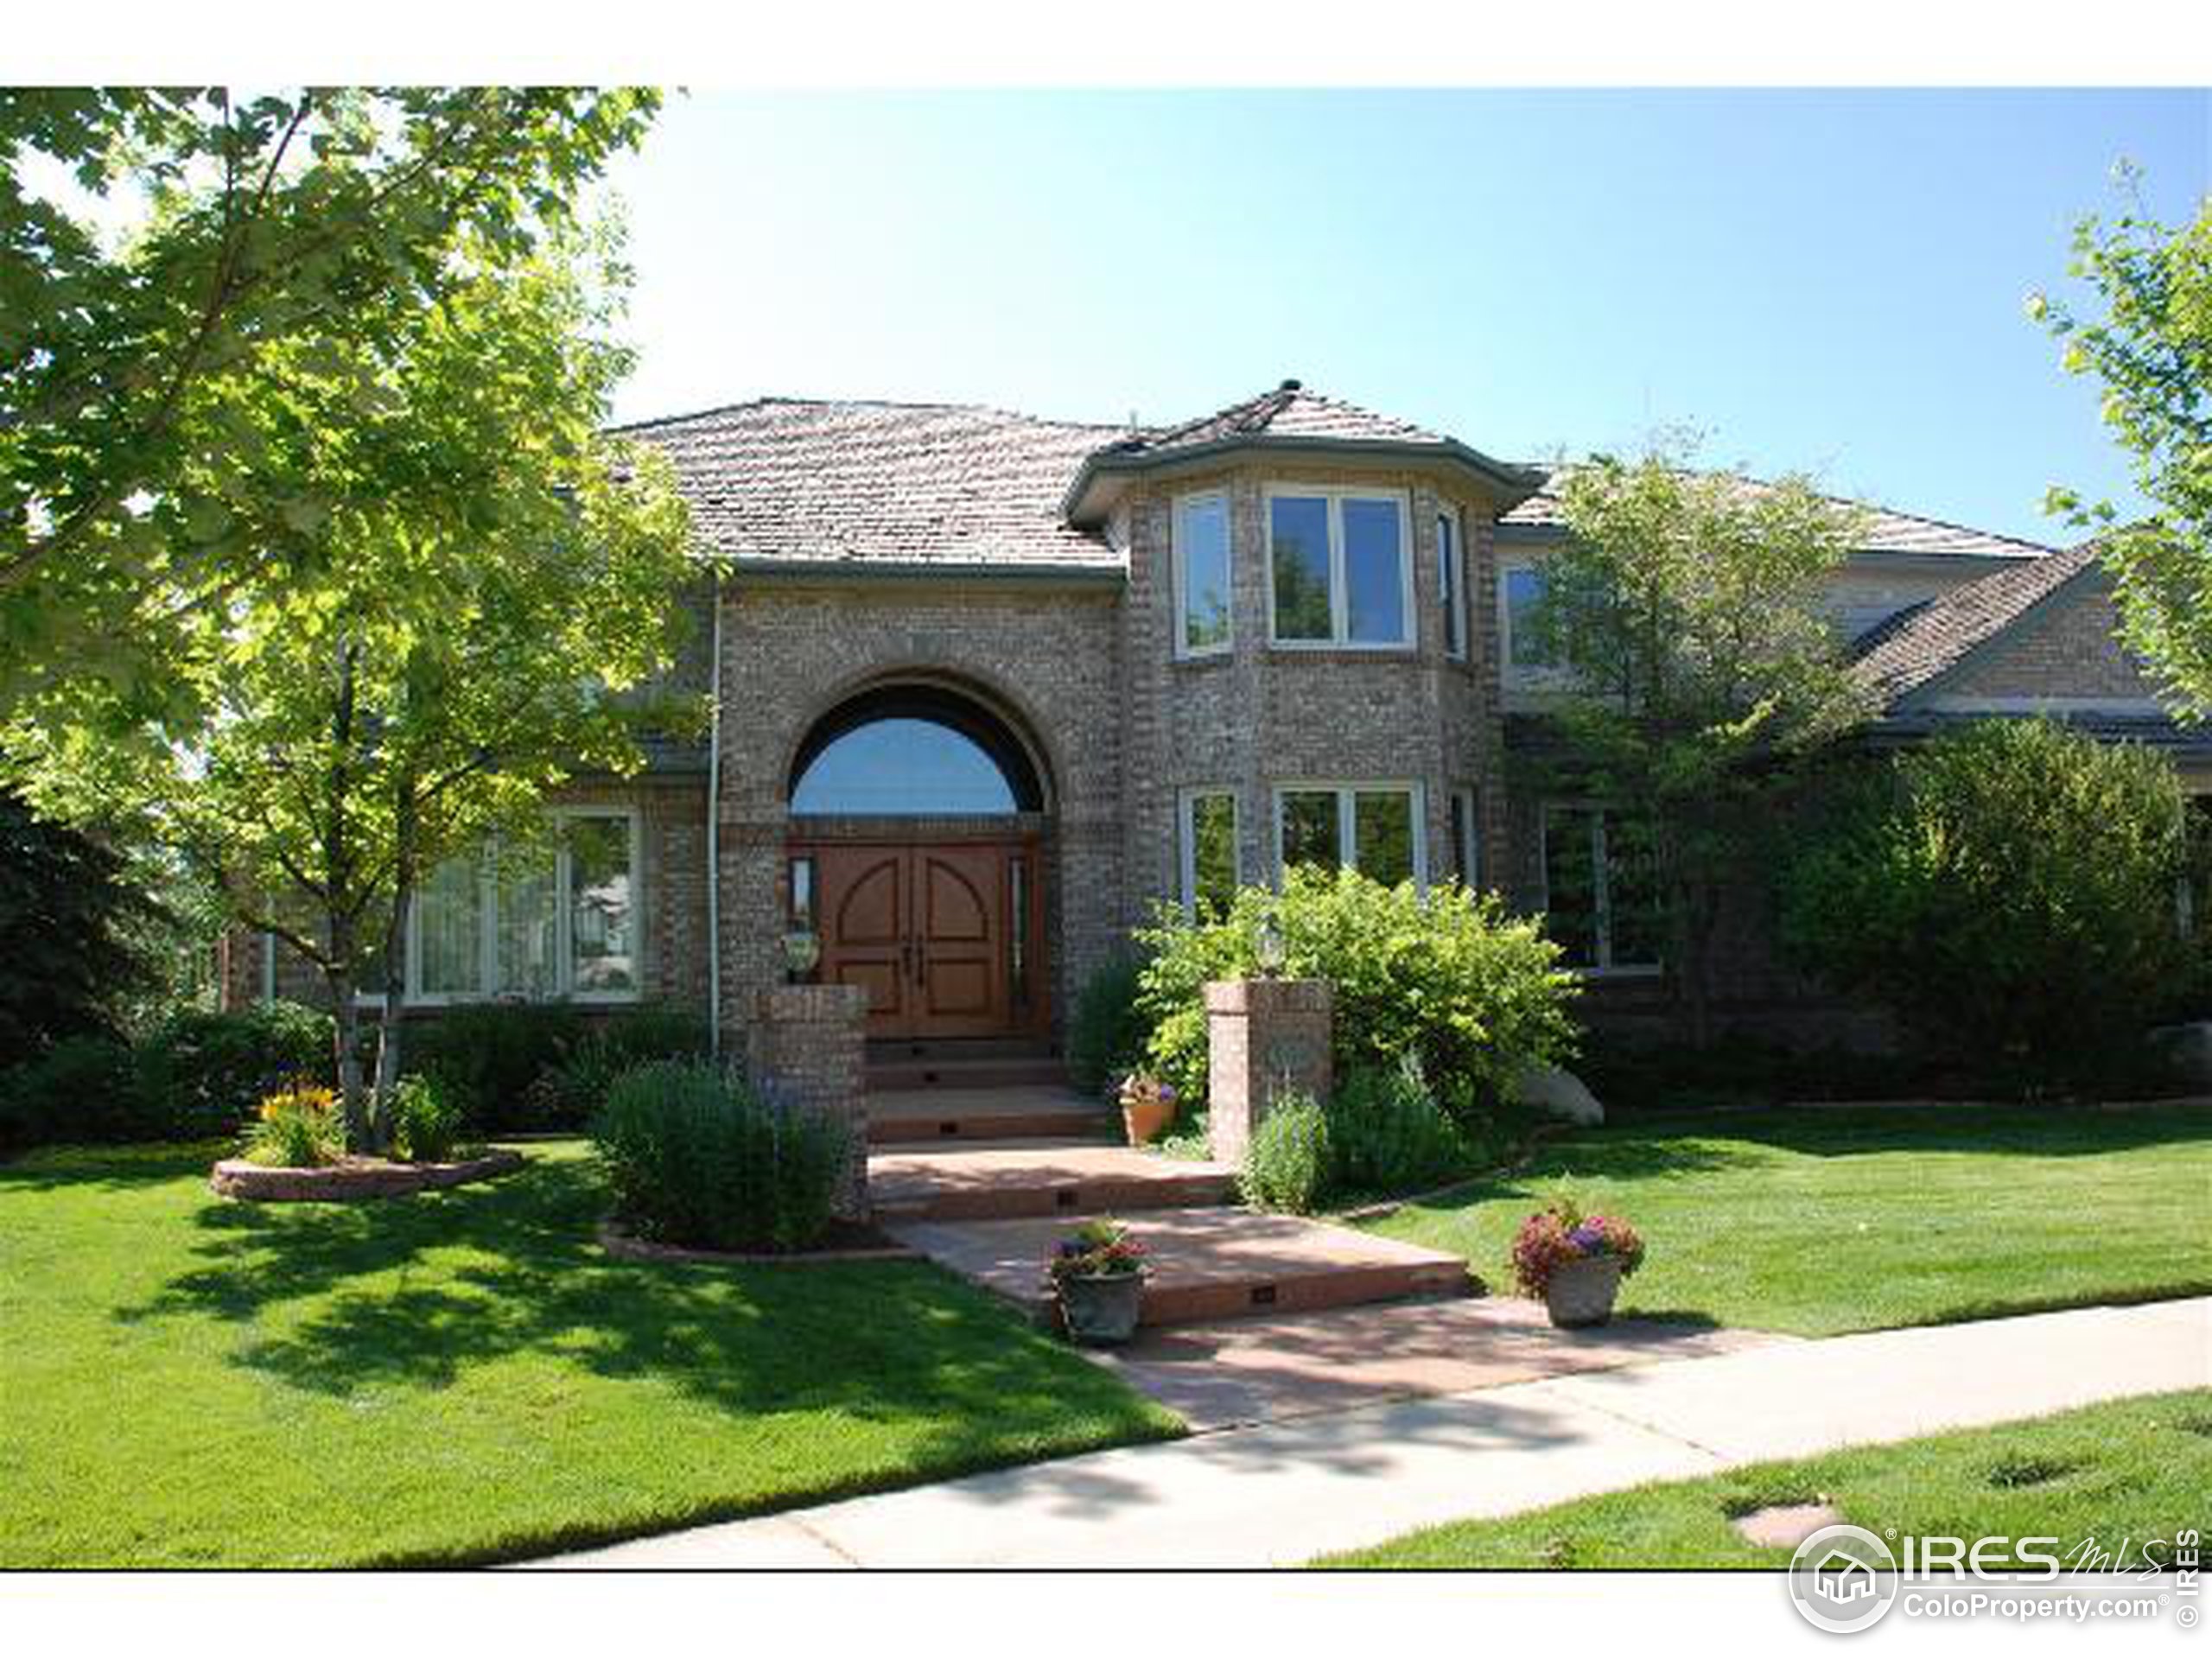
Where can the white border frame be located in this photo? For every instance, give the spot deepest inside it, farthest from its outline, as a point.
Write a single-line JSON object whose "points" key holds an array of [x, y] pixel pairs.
{"points": [[1334, 496], [1449, 515], [1347, 839], [1186, 839], [1179, 573], [563, 927], [1601, 886]]}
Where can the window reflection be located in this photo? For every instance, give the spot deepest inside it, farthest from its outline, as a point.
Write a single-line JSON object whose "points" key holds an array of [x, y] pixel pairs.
{"points": [[903, 768]]}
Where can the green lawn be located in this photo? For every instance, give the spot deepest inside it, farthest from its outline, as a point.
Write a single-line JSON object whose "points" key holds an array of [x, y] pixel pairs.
{"points": [[2135, 1469], [1820, 1221], [463, 1376]]}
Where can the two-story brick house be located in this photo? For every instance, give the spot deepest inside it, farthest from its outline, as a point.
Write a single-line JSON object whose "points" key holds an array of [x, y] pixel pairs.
{"points": [[988, 687]]}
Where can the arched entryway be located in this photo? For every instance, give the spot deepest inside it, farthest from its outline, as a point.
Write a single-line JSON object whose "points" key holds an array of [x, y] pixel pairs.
{"points": [[919, 825]]}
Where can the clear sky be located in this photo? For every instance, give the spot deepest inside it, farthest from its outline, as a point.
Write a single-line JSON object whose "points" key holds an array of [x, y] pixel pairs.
{"points": [[1830, 280]]}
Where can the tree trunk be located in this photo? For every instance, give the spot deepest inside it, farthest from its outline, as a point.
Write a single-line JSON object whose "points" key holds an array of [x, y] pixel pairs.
{"points": [[392, 1029], [348, 1014]]}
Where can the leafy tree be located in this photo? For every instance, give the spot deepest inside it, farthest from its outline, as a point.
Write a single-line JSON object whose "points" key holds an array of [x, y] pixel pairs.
{"points": [[2009, 890], [1693, 673], [2152, 349], [316, 225], [475, 610], [72, 922]]}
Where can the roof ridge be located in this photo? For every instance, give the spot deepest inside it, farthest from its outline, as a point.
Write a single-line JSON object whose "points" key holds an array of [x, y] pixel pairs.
{"points": [[779, 400]]}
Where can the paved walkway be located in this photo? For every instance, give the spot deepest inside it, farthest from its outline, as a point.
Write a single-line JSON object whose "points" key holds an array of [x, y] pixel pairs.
{"points": [[1282, 1492]]}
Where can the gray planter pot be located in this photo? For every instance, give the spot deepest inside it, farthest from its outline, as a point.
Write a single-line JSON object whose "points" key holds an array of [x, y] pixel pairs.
{"points": [[1582, 1293], [1102, 1310]]}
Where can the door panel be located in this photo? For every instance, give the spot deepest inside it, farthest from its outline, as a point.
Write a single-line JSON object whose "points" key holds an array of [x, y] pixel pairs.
{"points": [[864, 905], [960, 937]]}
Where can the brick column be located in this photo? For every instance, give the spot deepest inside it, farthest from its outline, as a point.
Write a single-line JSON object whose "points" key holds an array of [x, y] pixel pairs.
{"points": [[805, 1047], [1265, 1038]]}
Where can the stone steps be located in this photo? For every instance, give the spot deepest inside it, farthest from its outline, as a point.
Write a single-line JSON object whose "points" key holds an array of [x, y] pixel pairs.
{"points": [[995, 1071], [937, 1115], [1004, 1180], [1205, 1264]]}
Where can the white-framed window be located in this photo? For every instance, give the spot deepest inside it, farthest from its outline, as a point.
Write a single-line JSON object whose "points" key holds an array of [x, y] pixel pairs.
{"points": [[1452, 582], [1340, 569], [1466, 840], [557, 919], [1602, 900], [1375, 829], [1202, 568], [1520, 592], [1206, 844]]}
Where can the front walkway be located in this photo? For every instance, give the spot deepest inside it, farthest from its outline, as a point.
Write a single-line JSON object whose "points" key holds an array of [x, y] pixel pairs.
{"points": [[1283, 1492]]}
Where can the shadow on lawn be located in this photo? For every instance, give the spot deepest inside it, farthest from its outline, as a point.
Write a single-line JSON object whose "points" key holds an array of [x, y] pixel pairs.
{"points": [[2042, 1131], [414, 1293]]}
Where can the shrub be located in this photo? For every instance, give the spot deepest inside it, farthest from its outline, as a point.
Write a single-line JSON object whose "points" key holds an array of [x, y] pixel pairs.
{"points": [[204, 1072], [1449, 978], [297, 1127], [574, 1085], [1287, 1164], [1106, 1030], [2008, 891], [694, 1157], [425, 1120], [1386, 1135], [81, 1089], [490, 1055]]}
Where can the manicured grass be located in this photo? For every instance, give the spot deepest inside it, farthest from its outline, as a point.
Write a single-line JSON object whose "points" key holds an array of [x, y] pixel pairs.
{"points": [[464, 1375], [2137, 1470], [1817, 1221]]}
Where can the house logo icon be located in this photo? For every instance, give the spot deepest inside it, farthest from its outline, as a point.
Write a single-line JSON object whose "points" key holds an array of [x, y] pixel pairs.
{"points": [[1843, 1579]]}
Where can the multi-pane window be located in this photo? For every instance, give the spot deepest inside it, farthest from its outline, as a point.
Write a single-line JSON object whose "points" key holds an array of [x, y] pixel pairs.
{"points": [[1374, 828], [1466, 840], [1202, 574], [1601, 887], [537, 921], [1525, 645], [1339, 568], [1452, 583], [1209, 849]]}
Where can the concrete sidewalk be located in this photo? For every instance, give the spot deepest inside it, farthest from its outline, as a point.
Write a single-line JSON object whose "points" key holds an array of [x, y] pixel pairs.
{"points": [[1279, 1493]]}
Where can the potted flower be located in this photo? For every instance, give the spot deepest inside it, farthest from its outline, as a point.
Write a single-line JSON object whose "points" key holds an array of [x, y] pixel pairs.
{"points": [[1575, 1262], [1147, 1107], [1097, 1274]]}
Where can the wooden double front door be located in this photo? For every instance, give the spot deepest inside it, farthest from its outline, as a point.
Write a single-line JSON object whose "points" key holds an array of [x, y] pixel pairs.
{"points": [[944, 935]]}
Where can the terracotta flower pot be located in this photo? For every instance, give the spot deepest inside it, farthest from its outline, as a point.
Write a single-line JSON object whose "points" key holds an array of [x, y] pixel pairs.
{"points": [[1143, 1117], [1100, 1310], [1581, 1292]]}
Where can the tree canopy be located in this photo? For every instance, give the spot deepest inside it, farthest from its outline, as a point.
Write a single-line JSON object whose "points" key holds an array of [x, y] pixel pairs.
{"points": [[2151, 348], [143, 376]]}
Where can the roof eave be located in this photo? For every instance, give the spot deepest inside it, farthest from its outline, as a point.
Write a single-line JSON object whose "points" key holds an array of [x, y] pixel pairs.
{"points": [[1086, 502], [993, 572]]}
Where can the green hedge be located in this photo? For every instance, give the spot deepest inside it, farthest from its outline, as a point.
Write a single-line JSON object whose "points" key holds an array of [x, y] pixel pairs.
{"points": [[536, 1066], [1447, 979]]}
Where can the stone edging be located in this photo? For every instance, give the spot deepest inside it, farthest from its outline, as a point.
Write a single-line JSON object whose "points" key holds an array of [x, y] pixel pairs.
{"points": [[629, 1248], [354, 1180]]}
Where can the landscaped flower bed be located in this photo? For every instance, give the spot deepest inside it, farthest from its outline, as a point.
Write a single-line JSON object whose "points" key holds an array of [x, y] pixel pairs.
{"points": [[351, 1178]]}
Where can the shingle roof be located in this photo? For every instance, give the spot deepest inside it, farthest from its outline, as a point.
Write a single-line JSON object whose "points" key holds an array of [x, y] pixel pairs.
{"points": [[1888, 530], [793, 479], [1289, 411], [1903, 654]]}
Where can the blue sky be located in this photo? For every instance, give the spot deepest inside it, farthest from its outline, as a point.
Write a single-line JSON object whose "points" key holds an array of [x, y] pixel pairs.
{"points": [[1830, 280]]}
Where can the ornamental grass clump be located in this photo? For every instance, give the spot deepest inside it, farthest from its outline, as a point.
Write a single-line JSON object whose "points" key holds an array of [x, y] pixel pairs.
{"points": [[695, 1157], [1560, 1235], [298, 1127]]}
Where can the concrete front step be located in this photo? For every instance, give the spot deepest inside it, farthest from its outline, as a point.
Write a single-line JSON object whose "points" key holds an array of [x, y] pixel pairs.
{"points": [[1002, 1071], [1001, 1181], [923, 1116], [1205, 1264]]}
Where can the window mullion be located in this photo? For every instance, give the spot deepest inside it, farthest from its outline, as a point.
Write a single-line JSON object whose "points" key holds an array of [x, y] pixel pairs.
{"points": [[1339, 622]]}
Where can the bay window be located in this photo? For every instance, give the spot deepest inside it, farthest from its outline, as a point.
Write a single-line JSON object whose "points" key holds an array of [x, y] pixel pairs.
{"points": [[1375, 829], [1202, 574], [1601, 888], [535, 920], [1339, 570]]}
